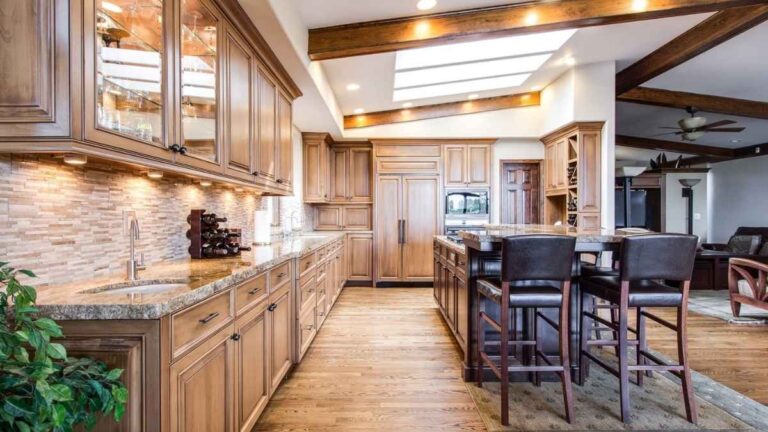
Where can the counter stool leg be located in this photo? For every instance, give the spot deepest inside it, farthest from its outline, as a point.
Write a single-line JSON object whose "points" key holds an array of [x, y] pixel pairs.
{"points": [[504, 347], [536, 347], [585, 331], [642, 345], [623, 354], [480, 339], [682, 352], [565, 357]]}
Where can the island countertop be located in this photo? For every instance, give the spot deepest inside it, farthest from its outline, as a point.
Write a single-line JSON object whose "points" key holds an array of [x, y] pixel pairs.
{"points": [[201, 278], [495, 233]]}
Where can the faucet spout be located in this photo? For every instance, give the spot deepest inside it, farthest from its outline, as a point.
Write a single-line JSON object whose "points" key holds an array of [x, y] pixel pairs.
{"points": [[132, 265]]}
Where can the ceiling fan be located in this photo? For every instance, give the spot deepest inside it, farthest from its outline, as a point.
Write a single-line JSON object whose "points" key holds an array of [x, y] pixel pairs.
{"points": [[694, 127]]}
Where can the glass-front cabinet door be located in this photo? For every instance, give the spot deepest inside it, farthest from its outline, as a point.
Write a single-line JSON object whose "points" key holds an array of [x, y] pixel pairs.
{"points": [[126, 75], [199, 86]]}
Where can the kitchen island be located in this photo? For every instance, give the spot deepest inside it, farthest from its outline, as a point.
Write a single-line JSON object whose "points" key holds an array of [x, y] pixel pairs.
{"points": [[483, 259]]}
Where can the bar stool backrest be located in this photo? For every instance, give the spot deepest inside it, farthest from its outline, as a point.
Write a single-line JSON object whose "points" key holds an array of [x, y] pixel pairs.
{"points": [[537, 257], [658, 256]]}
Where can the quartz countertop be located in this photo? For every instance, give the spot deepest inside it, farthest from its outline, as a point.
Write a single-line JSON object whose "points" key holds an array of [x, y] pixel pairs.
{"points": [[200, 279], [494, 233], [444, 240]]}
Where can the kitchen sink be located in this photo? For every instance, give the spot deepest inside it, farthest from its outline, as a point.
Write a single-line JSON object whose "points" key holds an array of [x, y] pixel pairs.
{"points": [[139, 287]]}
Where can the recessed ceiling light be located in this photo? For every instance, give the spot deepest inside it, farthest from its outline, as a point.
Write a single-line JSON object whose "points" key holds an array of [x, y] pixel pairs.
{"points": [[460, 87], [205, 183], [426, 4], [407, 104], [532, 18], [154, 174], [359, 111], [353, 87], [569, 61], [467, 71], [511, 46], [473, 96], [639, 5], [75, 159], [111, 7], [535, 88]]}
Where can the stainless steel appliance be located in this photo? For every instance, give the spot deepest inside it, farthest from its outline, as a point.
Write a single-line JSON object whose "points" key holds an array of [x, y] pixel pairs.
{"points": [[466, 209]]}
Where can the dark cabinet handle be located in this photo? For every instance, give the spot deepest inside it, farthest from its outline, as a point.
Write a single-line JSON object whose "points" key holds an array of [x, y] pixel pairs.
{"points": [[183, 150], [279, 180], [254, 291], [209, 318], [256, 173], [235, 337], [282, 274], [175, 148], [272, 307]]}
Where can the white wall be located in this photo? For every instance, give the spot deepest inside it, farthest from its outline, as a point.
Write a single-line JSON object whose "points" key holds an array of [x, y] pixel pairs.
{"points": [[509, 149], [739, 196], [674, 213]]}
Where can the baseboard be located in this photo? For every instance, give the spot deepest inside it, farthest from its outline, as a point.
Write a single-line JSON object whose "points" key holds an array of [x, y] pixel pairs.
{"points": [[359, 283], [404, 284]]}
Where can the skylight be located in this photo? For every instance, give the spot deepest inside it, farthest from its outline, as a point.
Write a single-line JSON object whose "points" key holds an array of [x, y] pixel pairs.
{"points": [[473, 66]]}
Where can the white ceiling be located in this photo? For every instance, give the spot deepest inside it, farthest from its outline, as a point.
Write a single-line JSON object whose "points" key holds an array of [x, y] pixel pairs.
{"points": [[621, 42]]}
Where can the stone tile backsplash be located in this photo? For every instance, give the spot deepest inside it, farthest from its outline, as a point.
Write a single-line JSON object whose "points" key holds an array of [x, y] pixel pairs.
{"points": [[65, 223]]}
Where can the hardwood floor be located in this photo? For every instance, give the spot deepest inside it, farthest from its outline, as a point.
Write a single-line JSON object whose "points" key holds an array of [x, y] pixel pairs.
{"points": [[383, 361], [734, 355]]}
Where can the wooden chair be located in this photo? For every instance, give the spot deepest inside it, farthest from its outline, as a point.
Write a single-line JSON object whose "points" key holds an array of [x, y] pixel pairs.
{"points": [[747, 284]]}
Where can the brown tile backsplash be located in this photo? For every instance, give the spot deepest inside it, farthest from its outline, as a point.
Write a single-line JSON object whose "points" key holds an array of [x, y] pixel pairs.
{"points": [[65, 223]]}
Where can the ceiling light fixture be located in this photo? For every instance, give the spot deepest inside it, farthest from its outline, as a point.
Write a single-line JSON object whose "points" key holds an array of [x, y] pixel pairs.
{"points": [[473, 96], [639, 5], [426, 4], [535, 88], [359, 111], [532, 18], [205, 183], [75, 159], [461, 87], [111, 7], [155, 174], [353, 87]]}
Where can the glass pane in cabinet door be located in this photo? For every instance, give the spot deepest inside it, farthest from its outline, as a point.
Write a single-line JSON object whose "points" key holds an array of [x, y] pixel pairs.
{"points": [[198, 79], [129, 68]]}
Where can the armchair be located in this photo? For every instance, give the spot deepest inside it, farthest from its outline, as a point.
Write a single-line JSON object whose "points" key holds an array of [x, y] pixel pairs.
{"points": [[747, 284], [711, 267]]}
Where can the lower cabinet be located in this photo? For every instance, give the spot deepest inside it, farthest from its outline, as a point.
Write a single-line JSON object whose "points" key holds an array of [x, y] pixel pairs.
{"points": [[251, 365], [279, 323], [360, 256], [450, 290]]}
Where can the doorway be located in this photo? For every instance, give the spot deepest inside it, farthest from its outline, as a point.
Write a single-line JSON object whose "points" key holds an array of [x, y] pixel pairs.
{"points": [[520, 185]]}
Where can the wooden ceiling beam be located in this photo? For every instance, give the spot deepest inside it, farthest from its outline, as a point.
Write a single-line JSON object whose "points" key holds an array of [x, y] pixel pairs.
{"points": [[707, 103], [709, 33], [442, 110], [674, 146], [473, 24]]}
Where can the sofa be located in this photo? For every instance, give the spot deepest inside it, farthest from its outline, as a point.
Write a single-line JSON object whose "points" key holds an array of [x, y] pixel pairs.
{"points": [[710, 271]]}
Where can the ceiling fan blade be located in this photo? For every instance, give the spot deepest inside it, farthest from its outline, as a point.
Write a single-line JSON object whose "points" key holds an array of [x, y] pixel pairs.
{"points": [[731, 129], [663, 134], [669, 127], [717, 123]]}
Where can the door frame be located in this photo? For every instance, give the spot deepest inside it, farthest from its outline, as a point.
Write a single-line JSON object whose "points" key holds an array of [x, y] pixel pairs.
{"points": [[540, 163]]}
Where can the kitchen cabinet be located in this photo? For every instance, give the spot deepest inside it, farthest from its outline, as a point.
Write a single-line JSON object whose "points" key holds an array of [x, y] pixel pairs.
{"points": [[350, 175], [251, 366], [360, 256], [342, 217], [467, 165], [316, 152], [450, 290], [285, 140], [280, 340], [267, 167], [238, 132]]}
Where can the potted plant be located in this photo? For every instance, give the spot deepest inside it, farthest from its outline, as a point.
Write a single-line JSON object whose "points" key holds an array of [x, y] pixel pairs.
{"points": [[41, 388]]}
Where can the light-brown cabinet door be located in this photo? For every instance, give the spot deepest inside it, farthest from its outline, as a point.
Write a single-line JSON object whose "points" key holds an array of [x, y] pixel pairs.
{"points": [[479, 165], [421, 212], [267, 130], [279, 336], [561, 164], [387, 226], [360, 257], [315, 166], [328, 217], [238, 131], [252, 363], [359, 175], [339, 160], [356, 217], [201, 387], [285, 140], [455, 165]]}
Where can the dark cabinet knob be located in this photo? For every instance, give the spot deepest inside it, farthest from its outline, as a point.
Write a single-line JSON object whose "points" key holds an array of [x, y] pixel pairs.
{"points": [[235, 337], [183, 150], [272, 307], [280, 181], [175, 148]]}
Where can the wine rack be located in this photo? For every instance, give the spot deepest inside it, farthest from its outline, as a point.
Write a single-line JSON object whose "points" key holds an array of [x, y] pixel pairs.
{"points": [[209, 239]]}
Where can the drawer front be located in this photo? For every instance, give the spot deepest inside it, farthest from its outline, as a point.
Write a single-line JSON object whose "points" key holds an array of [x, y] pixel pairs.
{"points": [[321, 310], [194, 324], [307, 293], [279, 275], [322, 271], [407, 150], [306, 263], [250, 292], [409, 166], [307, 329]]}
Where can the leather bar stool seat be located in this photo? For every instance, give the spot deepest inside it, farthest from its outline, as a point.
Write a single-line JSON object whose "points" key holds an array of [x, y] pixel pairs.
{"points": [[642, 293], [523, 294], [591, 270]]}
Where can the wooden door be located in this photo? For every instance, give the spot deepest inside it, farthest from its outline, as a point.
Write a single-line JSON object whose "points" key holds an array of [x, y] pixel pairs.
{"points": [[238, 130], [549, 163], [285, 140], [421, 212], [328, 217], [561, 164], [360, 257], [359, 175], [356, 217], [251, 366], [339, 174], [455, 170], [201, 387], [450, 299], [388, 215], [520, 193], [462, 310], [315, 165], [267, 130], [279, 336], [436, 285], [34, 81], [479, 165]]}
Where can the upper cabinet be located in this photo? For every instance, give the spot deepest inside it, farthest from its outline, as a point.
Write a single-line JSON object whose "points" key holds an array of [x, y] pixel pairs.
{"points": [[185, 83], [338, 173], [467, 165], [315, 164]]}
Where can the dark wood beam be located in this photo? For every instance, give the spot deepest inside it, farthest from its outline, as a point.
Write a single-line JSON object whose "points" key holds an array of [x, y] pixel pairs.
{"points": [[461, 26], [707, 103], [673, 146], [442, 110], [707, 34], [739, 153]]}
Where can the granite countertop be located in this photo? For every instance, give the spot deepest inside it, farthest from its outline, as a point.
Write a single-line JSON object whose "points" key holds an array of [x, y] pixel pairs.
{"points": [[199, 279], [494, 233], [459, 248]]}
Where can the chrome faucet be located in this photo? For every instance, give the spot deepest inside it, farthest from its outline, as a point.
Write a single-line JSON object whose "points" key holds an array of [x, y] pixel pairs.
{"points": [[132, 265]]}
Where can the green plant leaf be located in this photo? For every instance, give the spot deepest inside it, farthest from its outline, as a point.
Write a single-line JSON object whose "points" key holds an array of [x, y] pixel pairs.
{"points": [[119, 412], [27, 272], [59, 414], [48, 325], [18, 406], [44, 390], [22, 427], [114, 374], [120, 394], [56, 351], [61, 392]]}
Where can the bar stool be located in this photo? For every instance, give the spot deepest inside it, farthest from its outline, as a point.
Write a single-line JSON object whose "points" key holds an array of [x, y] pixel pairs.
{"points": [[535, 273], [651, 268]]}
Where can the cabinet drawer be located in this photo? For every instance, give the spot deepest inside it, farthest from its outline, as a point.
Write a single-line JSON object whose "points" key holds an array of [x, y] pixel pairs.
{"points": [[410, 166], [307, 329], [250, 292], [321, 310], [307, 293], [279, 275], [407, 150], [194, 324], [306, 263]]}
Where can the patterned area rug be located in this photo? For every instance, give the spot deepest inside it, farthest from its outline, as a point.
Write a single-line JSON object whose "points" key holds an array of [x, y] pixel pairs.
{"points": [[717, 305], [657, 406]]}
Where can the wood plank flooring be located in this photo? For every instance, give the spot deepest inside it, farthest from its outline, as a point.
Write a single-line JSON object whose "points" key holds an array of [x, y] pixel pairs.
{"points": [[383, 361]]}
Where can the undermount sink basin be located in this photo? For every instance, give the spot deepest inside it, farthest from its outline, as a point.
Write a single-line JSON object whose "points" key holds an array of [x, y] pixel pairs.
{"points": [[139, 287], [310, 237]]}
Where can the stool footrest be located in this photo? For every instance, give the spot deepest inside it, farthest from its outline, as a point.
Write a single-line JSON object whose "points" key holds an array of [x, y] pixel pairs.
{"points": [[607, 342], [492, 322], [659, 320], [548, 320], [602, 364]]}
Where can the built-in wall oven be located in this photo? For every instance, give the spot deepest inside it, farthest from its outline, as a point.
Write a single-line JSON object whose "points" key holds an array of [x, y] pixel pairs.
{"points": [[466, 209]]}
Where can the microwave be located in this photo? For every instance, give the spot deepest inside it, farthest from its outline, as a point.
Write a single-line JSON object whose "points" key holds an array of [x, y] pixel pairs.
{"points": [[466, 203]]}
